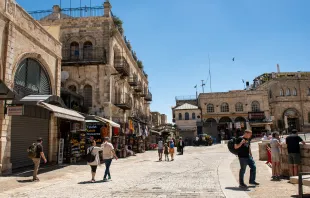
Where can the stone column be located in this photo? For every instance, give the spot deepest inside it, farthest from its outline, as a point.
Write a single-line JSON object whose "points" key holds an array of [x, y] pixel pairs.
{"points": [[5, 142], [107, 9]]}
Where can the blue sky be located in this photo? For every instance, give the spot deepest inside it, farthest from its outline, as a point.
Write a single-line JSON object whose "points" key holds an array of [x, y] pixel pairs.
{"points": [[174, 37]]}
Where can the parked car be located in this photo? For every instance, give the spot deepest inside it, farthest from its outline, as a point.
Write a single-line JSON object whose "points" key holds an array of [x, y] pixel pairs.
{"points": [[204, 140]]}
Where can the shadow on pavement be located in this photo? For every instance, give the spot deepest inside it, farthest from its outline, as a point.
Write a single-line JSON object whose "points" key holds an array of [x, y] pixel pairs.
{"points": [[304, 195], [89, 182], [239, 189], [25, 181]]}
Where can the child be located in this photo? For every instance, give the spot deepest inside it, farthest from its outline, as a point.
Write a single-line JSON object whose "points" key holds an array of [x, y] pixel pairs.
{"points": [[171, 149], [166, 152]]}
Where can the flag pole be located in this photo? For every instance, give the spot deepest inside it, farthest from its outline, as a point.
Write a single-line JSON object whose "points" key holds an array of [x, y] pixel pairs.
{"points": [[210, 73]]}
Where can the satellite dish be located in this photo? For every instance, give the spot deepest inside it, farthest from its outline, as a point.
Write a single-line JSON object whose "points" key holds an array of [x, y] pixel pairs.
{"points": [[64, 76]]}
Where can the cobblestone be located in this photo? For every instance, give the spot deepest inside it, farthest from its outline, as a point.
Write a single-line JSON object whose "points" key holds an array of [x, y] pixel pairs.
{"points": [[194, 174]]}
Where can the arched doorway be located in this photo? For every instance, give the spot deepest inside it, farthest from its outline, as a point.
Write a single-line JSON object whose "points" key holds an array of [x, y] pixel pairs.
{"points": [[224, 127], [292, 121], [210, 127], [30, 78]]}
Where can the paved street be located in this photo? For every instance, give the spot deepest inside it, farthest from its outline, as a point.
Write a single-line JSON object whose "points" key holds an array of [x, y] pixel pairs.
{"points": [[194, 174]]}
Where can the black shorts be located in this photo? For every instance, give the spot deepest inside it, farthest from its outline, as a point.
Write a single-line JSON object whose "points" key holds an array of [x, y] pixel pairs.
{"points": [[93, 169]]}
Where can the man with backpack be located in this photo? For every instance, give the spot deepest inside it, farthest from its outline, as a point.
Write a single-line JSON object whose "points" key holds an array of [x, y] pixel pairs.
{"points": [[242, 146], [35, 152]]}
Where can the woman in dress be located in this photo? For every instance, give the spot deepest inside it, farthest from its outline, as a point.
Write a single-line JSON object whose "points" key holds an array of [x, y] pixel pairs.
{"points": [[95, 152]]}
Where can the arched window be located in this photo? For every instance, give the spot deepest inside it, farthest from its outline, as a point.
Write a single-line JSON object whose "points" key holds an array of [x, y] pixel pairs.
{"points": [[239, 107], [294, 92], [180, 116], [224, 107], [186, 116], [281, 92], [210, 108], [87, 50], [88, 96], [288, 92], [72, 88], [193, 116], [31, 78], [270, 94], [255, 106], [74, 51]]}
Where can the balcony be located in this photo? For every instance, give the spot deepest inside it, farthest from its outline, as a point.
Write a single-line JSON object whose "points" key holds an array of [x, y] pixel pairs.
{"points": [[121, 65], [133, 81], [148, 97], [138, 88], [87, 56], [143, 93], [124, 102]]}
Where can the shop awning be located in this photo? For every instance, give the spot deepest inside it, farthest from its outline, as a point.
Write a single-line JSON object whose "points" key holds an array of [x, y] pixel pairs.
{"points": [[159, 133], [5, 92], [62, 112], [101, 119]]}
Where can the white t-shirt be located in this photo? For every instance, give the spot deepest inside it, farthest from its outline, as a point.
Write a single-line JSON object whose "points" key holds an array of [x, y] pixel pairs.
{"points": [[274, 146], [160, 145], [107, 150]]}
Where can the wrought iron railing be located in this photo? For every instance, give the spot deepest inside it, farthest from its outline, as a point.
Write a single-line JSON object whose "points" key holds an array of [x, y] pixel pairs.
{"points": [[121, 65], [96, 54], [148, 96], [80, 12], [133, 80], [124, 100], [138, 88]]}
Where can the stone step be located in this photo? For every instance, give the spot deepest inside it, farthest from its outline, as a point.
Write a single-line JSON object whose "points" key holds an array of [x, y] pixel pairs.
{"points": [[305, 180]]}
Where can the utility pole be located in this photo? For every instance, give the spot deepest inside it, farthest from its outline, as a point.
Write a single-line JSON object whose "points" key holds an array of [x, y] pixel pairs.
{"points": [[210, 73], [202, 85]]}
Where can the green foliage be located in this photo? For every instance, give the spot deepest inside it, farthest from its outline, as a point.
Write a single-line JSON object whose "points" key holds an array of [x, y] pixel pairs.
{"points": [[140, 64], [119, 24]]}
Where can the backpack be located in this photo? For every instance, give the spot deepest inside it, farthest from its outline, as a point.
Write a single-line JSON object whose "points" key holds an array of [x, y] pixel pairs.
{"points": [[231, 146], [32, 150], [90, 157]]}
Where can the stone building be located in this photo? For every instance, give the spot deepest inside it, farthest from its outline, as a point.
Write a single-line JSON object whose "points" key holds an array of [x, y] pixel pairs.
{"points": [[163, 118], [186, 117], [233, 110], [289, 98], [30, 60], [156, 119], [100, 63]]}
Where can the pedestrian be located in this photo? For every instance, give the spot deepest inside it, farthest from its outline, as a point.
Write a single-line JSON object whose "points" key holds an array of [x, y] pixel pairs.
{"points": [[243, 146], [37, 159], [94, 150], [293, 149], [181, 145], [171, 149], [275, 155], [107, 154], [166, 148], [160, 149]]}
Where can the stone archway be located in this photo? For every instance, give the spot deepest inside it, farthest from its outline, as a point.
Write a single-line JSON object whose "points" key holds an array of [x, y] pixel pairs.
{"points": [[225, 120], [291, 119]]}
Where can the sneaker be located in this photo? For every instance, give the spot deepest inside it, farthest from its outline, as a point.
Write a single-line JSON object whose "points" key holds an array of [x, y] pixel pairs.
{"points": [[243, 186], [254, 183], [105, 180], [92, 181], [109, 178]]}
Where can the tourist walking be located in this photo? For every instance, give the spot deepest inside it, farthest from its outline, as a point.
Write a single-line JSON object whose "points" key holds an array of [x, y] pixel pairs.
{"points": [[181, 146], [38, 154], [166, 152], [160, 149], [275, 155], [293, 150], [93, 150], [171, 149], [107, 154], [243, 146]]}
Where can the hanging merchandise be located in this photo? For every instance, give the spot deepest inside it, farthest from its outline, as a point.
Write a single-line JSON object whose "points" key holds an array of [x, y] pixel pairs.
{"points": [[146, 131], [139, 129], [105, 131], [115, 131]]}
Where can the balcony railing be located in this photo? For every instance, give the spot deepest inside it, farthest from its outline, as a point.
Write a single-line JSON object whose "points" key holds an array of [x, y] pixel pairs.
{"points": [[143, 93], [133, 81], [121, 65], [65, 13], [138, 88], [148, 97], [124, 102], [96, 55]]}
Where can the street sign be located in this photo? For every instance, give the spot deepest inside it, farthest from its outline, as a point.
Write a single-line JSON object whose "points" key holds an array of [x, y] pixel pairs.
{"points": [[15, 110]]}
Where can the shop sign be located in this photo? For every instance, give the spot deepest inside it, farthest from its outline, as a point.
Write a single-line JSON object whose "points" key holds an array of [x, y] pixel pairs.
{"points": [[94, 132], [15, 110], [61, 151], [256, 115]]}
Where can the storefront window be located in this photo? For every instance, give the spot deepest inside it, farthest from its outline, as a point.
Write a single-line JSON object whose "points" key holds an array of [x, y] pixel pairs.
{"points": [[31, 78]]}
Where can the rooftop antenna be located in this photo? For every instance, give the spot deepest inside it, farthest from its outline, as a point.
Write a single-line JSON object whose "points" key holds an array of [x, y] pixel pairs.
{"points": [[210, 73], [202, 85]]}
